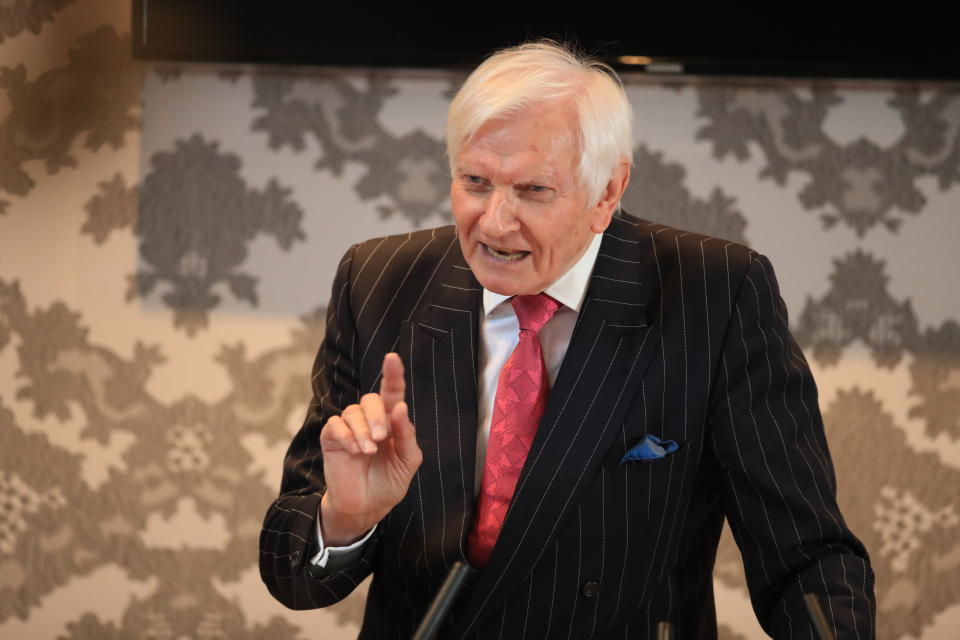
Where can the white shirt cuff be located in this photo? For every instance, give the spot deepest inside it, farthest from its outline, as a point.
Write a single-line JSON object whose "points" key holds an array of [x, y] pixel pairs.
{"points": [[333, 558]]}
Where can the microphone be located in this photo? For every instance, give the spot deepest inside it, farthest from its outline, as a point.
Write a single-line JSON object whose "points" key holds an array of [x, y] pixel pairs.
{"points": [[816, 616], [664, 631], [440, 606]]}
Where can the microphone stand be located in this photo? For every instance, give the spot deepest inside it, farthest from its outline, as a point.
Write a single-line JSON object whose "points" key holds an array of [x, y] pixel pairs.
{"points": [[815, 611], [456, 579]]}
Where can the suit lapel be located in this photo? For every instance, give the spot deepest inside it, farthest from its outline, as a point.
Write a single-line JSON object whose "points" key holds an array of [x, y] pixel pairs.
{"points": [[443, 334], [610, 349]]}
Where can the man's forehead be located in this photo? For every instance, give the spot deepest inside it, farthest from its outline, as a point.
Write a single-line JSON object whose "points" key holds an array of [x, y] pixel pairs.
{"points": [[525, 140]]}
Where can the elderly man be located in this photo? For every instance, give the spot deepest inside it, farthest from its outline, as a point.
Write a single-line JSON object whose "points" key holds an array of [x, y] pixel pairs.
{"points": [[569, 398]]}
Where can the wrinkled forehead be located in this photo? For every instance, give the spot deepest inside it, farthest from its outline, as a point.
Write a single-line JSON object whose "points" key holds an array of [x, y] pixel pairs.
{"points": [[536, 138], [544, 118]]}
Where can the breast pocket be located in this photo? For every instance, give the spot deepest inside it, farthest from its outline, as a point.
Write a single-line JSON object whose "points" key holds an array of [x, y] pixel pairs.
{"points": [[648, 485]]}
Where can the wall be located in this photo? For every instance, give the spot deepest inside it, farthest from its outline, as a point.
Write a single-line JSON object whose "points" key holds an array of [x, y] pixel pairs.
{"points": [[168, 237]]}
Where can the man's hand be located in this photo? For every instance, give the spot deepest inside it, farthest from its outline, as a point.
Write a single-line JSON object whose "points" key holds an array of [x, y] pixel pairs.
{"points": [[370, 454]]}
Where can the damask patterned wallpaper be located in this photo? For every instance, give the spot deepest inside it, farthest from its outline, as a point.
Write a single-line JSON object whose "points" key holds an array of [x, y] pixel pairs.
{"points": [[168, 236]]}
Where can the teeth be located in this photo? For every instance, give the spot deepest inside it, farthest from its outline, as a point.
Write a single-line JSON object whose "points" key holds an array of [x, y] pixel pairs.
{"points": [[506, 255]]}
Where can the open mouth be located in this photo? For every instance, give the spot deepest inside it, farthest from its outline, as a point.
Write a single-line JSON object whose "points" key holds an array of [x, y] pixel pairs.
{"points": [[506, 254]]}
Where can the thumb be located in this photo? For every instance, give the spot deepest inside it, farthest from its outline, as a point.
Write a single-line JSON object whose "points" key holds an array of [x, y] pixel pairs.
{"points": [[405, 436]]}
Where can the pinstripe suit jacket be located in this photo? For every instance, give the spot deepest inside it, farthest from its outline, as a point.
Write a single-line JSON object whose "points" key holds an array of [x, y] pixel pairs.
{"points": [[681, 336]]}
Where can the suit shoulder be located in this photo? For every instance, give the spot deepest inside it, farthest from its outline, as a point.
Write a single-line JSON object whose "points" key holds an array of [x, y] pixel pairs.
{"points": [[405, 243], [391, 260], [671, 242]]}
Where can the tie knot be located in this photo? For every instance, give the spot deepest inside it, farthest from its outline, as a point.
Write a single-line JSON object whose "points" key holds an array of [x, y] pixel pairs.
{"points": [[534, 311]]}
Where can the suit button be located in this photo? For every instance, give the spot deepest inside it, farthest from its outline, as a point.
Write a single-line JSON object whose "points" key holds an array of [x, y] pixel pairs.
{"points": [[590, 589]]}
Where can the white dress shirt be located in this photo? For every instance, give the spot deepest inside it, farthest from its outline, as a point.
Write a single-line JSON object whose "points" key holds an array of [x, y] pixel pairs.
{"points": [[499, 335]]}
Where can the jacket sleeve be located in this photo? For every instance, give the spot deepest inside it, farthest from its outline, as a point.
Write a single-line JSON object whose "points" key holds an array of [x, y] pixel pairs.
{"points": [[289, 538], [778, 485]]}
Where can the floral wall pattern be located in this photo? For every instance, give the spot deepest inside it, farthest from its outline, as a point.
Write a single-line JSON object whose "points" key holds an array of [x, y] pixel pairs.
{"points": [[168, 236]]}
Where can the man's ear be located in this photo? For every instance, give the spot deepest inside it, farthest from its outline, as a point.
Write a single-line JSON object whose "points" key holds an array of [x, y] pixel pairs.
{"points": [[610, 198]]}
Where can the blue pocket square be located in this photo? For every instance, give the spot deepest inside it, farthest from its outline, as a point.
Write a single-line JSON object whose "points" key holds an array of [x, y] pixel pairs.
{"points": [[650, 448]]}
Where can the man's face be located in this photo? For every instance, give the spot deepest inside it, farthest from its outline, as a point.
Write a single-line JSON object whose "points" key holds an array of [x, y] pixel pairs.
{"points": [[521, 214]]}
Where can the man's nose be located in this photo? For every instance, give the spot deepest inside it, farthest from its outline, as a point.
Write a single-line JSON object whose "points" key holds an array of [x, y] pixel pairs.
{"points": [[499, 218]]}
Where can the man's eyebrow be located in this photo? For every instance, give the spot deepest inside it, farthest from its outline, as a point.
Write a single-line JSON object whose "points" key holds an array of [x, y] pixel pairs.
{"points": [[479, 168], [540, 178], [470, 168]]}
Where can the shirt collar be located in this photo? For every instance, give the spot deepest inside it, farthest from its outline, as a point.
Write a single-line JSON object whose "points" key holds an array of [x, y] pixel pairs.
{"points": [[569, 289]]}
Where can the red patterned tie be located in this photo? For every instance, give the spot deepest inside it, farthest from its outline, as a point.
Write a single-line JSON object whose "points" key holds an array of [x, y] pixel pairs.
{"points": [[521, 398]]}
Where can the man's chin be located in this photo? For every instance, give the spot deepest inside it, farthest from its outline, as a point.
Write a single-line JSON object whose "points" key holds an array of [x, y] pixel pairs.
{"points": [[508, 287], [506, 278]]}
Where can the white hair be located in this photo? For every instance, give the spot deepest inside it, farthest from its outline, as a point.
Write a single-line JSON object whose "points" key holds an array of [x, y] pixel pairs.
{"points": [[545, 71]]}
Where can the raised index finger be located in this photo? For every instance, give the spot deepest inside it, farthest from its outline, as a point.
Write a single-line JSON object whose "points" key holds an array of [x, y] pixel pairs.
{"points": [[392, 386]]}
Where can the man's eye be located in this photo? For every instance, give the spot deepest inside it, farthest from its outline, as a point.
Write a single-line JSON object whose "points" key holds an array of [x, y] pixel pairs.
{"points": [[534, 189], [474, 182]]}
